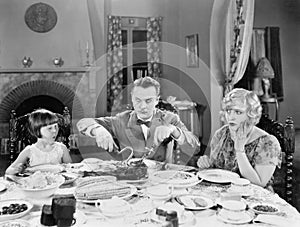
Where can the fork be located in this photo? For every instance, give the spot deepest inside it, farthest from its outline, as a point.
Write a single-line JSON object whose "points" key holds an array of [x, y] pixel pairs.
{"points": [[149, 151]]}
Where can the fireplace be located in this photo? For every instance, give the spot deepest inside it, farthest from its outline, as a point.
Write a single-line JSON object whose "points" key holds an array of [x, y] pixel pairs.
{"points": [[25, 90]]}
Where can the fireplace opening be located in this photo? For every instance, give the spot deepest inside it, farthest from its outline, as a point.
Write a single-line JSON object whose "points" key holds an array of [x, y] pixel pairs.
{"points": [[40, 101]]}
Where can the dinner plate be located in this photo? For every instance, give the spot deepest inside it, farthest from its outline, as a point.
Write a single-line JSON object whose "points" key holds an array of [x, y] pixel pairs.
{"points": [[7, 203], [194, 202], [46, 168], [19, 223], [217, 175], [175, 178], [264, 208], [2, 186], [93, 201], [246, 218]]}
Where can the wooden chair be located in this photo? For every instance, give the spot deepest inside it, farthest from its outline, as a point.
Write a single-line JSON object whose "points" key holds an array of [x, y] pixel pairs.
{"points": [[285, 133], [19, 135]]}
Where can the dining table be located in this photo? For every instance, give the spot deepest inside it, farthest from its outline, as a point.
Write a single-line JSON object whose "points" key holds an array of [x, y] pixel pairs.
{"points": [[143, 206]]}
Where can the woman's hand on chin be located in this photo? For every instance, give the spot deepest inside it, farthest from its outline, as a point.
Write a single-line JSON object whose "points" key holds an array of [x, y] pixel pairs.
{"points": [[203, 162]]}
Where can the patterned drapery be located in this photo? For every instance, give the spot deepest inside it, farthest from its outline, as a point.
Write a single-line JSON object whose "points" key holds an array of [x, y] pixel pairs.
{"points": [[153, 46], [114, 64], [231, 39]]}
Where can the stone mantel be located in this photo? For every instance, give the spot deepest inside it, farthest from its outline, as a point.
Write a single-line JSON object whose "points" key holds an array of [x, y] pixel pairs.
{"points": [[42, 70]]}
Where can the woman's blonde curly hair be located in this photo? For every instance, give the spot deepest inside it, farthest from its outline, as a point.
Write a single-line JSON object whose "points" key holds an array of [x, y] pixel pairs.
{"points": [[249, 98]]}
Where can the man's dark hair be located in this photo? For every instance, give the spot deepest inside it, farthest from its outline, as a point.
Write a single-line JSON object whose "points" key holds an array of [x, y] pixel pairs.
{"points": [[146, 82], [40, 118]]}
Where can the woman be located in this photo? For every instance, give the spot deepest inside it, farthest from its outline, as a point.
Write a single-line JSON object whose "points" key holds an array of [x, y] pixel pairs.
{"points": [[239, 145]]}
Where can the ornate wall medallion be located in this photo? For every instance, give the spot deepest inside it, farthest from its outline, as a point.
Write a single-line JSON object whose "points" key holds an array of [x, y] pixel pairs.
{"points": [[40, 17]]}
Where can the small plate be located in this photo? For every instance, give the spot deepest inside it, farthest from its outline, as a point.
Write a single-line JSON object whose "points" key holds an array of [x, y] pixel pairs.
{"points": [[186, 218], [264, 208], [2, 186], [192, 202], [3, 203], [217, 175], [248, 217]]}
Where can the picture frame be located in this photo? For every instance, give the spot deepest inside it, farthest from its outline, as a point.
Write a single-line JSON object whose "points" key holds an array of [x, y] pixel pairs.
{"points": [[192, 48]]}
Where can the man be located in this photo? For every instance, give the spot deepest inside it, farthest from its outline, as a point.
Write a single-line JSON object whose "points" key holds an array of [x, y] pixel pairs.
{"points": [[141, 128]]}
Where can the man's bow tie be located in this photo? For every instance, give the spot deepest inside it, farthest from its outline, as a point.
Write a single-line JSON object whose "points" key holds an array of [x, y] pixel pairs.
{"points": [[141, 122]]}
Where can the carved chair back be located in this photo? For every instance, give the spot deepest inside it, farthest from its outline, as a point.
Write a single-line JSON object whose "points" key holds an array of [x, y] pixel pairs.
{"points": [[20, 137], [285, 133]]}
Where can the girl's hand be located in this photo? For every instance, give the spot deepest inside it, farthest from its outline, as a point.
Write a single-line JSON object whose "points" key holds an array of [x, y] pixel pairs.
{"points": [[18, 168], [241, 136], [203, 162]]}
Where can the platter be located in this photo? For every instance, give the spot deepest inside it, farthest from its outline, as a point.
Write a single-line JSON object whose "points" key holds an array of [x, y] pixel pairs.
{"points": [[194, 202], [175, 178], [217, 175], [264, 208], [12, 204]]}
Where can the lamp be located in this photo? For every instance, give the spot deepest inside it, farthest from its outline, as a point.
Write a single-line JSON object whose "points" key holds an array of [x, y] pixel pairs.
{"points": [[265, 71]]}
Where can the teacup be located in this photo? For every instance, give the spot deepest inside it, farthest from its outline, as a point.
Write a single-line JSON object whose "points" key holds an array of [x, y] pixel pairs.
{"points": [[233, 210]]}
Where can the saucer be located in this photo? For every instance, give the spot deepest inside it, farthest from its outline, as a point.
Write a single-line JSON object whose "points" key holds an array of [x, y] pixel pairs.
{"points": [[245, 218]]}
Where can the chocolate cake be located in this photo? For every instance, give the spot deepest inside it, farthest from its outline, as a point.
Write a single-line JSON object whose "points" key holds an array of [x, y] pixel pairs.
{"points": [[47, 218], [63, 207]]}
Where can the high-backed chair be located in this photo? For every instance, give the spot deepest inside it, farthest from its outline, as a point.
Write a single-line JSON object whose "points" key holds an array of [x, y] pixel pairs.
{"points": [[285, 133], [19, 135]]}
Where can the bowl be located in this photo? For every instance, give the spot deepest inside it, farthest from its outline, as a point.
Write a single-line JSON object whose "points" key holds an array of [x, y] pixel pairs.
{"points": [[40, 185], [114, 207], [161, 191]]}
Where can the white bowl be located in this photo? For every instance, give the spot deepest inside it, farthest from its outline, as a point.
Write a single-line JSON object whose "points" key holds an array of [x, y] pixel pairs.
{"points": [[42, 192]]}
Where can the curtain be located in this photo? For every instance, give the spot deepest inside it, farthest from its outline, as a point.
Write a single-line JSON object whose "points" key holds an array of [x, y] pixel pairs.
{"points": [[153, 46], [114, 64], [230, 40]]}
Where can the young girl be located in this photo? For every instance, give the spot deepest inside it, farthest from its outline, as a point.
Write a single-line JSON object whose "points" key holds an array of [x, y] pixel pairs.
{"points": [[43, 124]]}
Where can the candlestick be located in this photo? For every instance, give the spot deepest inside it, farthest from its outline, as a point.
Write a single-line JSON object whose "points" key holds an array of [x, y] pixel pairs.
{"points": [[87, 54]]}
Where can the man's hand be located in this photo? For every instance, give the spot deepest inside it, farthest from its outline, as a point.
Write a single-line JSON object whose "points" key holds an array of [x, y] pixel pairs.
{"points": [[203, 162], [104, 138], [162, 132]]}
